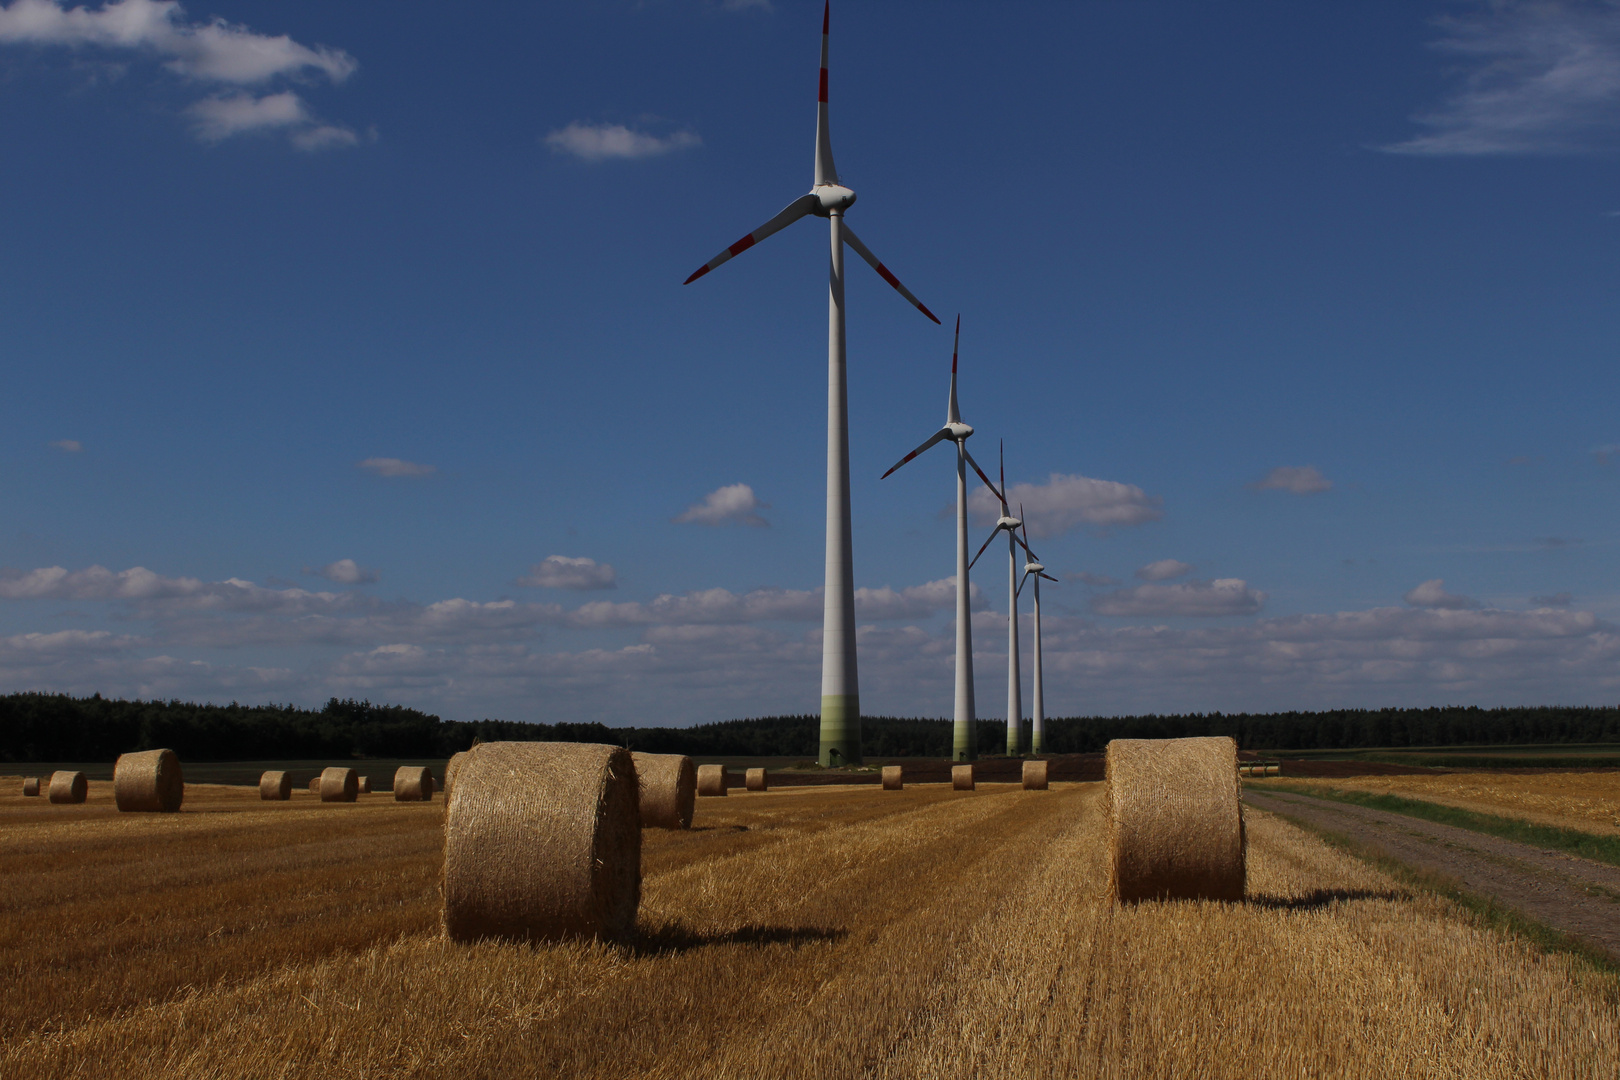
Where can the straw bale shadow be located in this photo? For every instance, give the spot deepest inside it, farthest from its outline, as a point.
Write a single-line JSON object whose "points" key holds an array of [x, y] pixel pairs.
{"points": [[1321, 898], [677, 938]]}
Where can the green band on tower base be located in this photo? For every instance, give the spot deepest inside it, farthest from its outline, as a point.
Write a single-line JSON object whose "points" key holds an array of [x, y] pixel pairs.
{"points": [[964, 741], [840, 730]]}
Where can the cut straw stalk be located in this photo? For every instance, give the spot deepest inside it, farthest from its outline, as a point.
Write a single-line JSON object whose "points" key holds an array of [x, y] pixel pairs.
{"points": [[1174, 819], [68, 787], [413, 783], [339, 785], [962, 777], [275, 785], [894, 777], [757, 780], [148, 782], [543, 842], [668, 790], [711, 780], [1035, 776]]}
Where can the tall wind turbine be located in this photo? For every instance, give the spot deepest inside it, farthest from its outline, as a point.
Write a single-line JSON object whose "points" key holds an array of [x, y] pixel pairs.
{"points": [[840, 685], [1033, 567], [964, 737], [1009, 524]]}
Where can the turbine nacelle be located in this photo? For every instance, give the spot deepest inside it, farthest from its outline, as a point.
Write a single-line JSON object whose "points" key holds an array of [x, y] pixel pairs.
{"points": [[1009, 523], [831, 198], [958, 430], [1033, 567]]}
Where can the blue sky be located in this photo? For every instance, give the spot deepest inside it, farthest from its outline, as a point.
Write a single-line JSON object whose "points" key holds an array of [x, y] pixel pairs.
{"points": [[346, 351]]}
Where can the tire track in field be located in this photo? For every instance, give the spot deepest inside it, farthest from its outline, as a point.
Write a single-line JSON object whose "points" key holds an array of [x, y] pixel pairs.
{"points": [[1565, 892]]}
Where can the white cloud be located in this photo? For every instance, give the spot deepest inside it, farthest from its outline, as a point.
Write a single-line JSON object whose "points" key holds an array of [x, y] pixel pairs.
{"points": [[732, 504], [1223, 596], [602, 142], [1086, 577], [212, 51], [562, 572], [390, 466], [1164, 570], [345, 572], [1432, 594], [1539, 77], [69, 446], [1304, 480], [1556, 600], [1066, 501]]}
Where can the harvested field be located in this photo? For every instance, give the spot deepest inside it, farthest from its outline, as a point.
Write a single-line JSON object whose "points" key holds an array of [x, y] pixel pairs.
{"points": [[1584, 800], [833, 932]]}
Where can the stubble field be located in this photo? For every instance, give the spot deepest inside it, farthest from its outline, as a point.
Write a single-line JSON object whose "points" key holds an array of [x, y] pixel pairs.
{"points": [[826, 932]]}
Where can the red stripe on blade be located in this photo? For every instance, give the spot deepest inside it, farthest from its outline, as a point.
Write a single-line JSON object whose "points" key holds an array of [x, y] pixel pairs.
{"points": [[700, 272], [883, 272], [826, 17], [823, 97], [742, 245]]}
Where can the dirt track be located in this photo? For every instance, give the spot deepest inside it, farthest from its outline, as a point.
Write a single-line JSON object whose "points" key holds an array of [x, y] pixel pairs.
{"points": [[1571, 894]]}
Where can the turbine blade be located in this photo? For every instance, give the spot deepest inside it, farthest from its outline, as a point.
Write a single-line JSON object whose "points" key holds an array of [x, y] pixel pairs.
{"points": [[1019, 590], [986, 544], [953, 415], [1048, 577], [987, 481], [942, 433], [792, 212], [1024, 526], [826, 173], [883, 271]]}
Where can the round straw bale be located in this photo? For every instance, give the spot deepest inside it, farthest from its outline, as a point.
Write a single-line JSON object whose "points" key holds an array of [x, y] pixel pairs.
{"points": [[668, 790], [148, 782], [413, 783], [275, 785], [365, 784], [31, 785], [894, 777], [339, 785], [1035, 776], [451, 767], [315, 786], [543, 841], [1175, 822], [962, 777], [757, 780], [711, 780], [68, 787]]}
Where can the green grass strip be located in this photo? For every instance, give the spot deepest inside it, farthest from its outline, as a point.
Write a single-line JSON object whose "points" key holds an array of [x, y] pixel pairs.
{"points": [[1603, 849], [1489, 911]]}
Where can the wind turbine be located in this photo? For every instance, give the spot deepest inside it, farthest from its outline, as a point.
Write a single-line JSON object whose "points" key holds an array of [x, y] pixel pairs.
{"points": [[840, 684], [964, 736], [1015, 706], [1037, 725]]}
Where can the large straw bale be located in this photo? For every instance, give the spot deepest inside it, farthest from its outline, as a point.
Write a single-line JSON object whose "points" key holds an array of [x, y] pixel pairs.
{"points": [[339, 784], [757, 780], [1035, 775], [275, 785], [413, 783], [1174, 819], [31, 786], [148, 782], [668, 790], [315, 786], [894, 777], [711, 780], [451, 767], [542, 842], [962, 777], [68, 787]]}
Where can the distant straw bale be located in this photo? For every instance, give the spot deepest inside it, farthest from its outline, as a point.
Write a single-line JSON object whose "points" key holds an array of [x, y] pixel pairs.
{"points": [[451, 767], [149, 781], [962, 777], [757, 780], [1174, 819], [1273, 770], [1035, 775], [894, 777], [315, 786], [543, 842], [339, 785], [668, 790], [31, 786], [364, 784], [275, 785], [711, 780], [413, 783], [68, 787]]}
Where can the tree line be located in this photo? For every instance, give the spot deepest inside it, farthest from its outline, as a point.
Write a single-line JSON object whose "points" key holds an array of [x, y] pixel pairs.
{"points": [[57, 727]]}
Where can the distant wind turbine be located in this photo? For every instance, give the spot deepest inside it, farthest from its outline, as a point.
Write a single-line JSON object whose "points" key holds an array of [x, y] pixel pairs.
{"points": [[1009, 524], [964, 737], [1037, 724], [840, 684]]}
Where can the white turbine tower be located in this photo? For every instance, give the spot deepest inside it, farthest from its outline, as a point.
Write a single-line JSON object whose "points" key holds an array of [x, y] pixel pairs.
{"points": [[1037, 712], [1009, 524], [964, 736], [840, 685]]}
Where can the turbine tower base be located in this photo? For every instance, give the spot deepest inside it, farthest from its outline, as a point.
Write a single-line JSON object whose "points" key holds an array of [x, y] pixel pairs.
{"points": [[840, 731]]}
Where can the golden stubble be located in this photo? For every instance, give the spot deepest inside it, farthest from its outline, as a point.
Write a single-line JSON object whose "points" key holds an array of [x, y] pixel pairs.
{"points": [[845, 932], [1587, 801]]}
